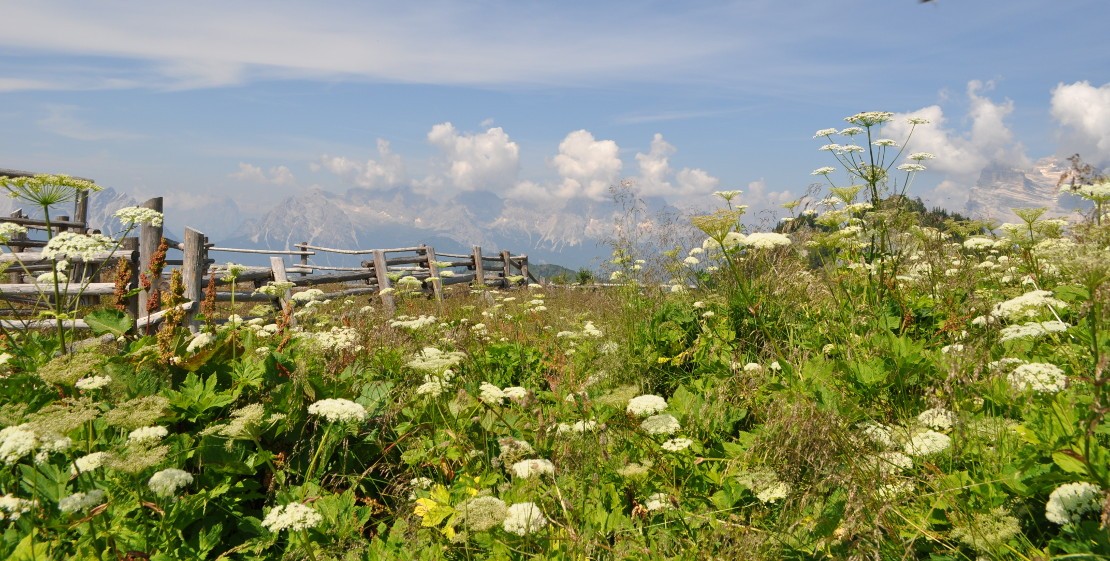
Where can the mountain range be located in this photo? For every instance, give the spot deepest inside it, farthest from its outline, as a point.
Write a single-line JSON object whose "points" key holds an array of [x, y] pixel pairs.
{"points": [[1002, 188]]}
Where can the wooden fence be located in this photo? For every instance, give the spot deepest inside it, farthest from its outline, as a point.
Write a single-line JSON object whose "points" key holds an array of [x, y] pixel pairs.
{"points": [[375, 275]]}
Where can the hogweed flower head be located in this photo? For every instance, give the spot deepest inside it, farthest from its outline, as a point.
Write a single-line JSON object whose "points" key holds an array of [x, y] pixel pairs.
{"points": [[338, 411], [1070, 501], [132, 215], [80, 502], [165, 483], [644, 405], [293, 517], [523, 519], [870, 118]]}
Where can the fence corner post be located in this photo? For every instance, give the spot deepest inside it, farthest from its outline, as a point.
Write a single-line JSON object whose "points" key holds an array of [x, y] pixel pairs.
{"points": [[433, 271], [193, 264], [277, 266], [149, 239], [479, 268], [384, 285]]}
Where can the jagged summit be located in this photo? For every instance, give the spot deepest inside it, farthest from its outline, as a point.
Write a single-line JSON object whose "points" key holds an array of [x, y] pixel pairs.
{"points": [[1001, 188]]}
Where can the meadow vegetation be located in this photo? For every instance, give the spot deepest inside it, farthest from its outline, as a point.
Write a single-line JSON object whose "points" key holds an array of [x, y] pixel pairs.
{"points": [[866, 381]]}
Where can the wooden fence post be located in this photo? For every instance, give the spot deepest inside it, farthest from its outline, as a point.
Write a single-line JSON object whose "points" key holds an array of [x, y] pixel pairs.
{"points": [[506, 271], [383, 282], [81, 210], [524, 269], [132, 244], [15, 276], [277, 265], [433, 270], [303, 246], [149, 239], [193, 265], [479, 268]]}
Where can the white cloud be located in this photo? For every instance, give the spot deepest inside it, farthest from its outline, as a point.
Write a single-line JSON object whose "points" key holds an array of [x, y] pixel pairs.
{"points": [[206, 44], [656, 174], [760, 197], [474, 161], [961, 155], [588, 166], [387, 171], [278, 175], [1084, 111], [62, 120]]}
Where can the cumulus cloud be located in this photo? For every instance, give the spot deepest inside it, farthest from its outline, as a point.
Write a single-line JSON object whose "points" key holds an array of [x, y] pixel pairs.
{"points": [[488, 160], [759, 196], [387, 170], [587, 166], [278, 175], [1083, 111], [658, 178], [961, 155]]}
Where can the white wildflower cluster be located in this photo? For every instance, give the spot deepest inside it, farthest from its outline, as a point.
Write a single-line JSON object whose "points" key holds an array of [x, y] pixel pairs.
{"points": [[9, 230], [661, 424], [260, 329], [527, 469], [515, 393], [199, 341], [891, 491], [490, 394], [1028, 305], [89, 383], [644, 405], [72, 244], [937, 418], [338, 411], [766, 485], [274, 289], [413, 323], [146, 435], [657, 502], [1038, 376], [293, 517], [336, 340], [878, 433], [1070, 501], [677, 444], [435, 383], [523, 519], [309, 296], [431, 359], [578, 427], [13, 507], [1098, 192], [89, 462], [513, 450], [132, 215], [481, 513], [51, 277], [80, 502], [1032, 330], [892, 461], [20, 441], [926, 443], [166, 483], [766, 240]]}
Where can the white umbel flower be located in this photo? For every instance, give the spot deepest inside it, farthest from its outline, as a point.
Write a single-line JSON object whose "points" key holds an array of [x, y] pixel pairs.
{"points": [[166, 482], [927, 443], [132, 215], [89, 462], [490, 394], [13, 507], [292, 517], [677, 444], [80, 502], [1038, 376], [661, 424], [526, 469], [1070, 501], [338, 410], [148, 434], [523, 519], [93, 382], [937, 418], [644, 405]]}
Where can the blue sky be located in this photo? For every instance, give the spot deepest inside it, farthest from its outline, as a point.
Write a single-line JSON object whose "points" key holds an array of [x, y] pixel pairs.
{"points": [[539, 101]]}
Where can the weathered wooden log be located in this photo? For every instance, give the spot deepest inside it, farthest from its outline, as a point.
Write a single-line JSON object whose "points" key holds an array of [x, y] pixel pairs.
{"points": [[149, 238], [383, 282]]}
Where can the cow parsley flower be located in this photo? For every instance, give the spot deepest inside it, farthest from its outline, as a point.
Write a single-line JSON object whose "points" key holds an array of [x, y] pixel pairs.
{"points": [[9, 230], [885, 142], [576, 428], [432, 359], [1038, 376], [851, 131], [921, 156], [661, 424], [911, 168], [89, 462], [165, 483], [413, 324], [831, 147], [17, 442], [199, 341], [526, 469], [13, 507], [677, 444], [338, 411], [93, 382], [937, 418], [1031, 330], [870, 118], [515, 393], [336, 340], [132, 215], [481, 513], [513, 450], [80, 502], [927, 443], [823, 170], [1030, 304], [72, 244], [893, 461], [644, 405], [1070, 501], [766, 240], [147, 434], [523, 519], [490, 394], [658, 502], [293, 517], [824, 132]]}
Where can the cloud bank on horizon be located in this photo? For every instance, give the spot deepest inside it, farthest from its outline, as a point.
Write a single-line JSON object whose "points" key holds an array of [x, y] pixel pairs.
{"points": [[543, 103]]}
